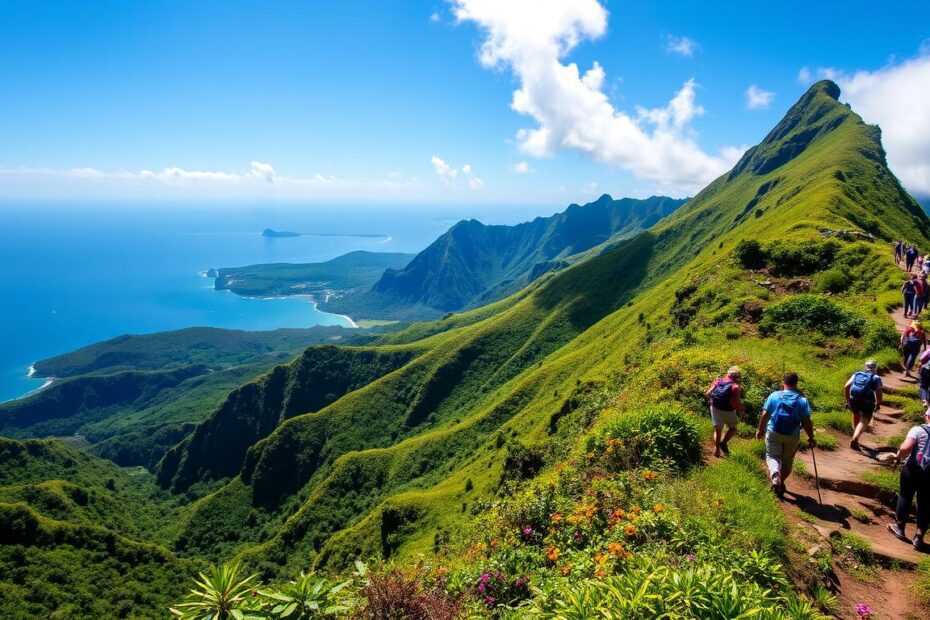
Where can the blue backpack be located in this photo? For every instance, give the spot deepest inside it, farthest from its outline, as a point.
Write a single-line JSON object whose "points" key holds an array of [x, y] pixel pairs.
{"points": [[923, 458], [787, 417], [863, 386], [722, 394]]}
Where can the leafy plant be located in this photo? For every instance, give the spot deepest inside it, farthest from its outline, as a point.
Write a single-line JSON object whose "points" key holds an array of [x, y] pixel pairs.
{"points": [[309, 597], [804, 313], [221, 594]]}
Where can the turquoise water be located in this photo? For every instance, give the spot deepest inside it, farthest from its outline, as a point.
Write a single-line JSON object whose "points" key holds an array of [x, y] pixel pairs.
{"points": [[71, 275]]}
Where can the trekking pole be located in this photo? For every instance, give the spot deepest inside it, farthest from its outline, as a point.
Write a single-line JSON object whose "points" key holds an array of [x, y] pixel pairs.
{"points": [[817, 481]]}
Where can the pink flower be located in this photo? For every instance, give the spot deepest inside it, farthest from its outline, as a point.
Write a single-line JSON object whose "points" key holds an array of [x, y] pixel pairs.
{"points": [[863, 612]]}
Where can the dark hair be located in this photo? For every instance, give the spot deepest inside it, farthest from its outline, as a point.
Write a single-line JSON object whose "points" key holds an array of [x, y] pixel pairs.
{"points": [[790, 379]]}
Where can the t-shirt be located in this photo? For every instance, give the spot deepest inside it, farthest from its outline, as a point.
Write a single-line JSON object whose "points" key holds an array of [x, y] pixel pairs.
{"points": [[771, 404], [909, 287], [918, 433]]}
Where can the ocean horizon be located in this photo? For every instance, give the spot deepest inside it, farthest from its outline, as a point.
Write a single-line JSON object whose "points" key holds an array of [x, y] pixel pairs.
{"points": [[74, 275]]}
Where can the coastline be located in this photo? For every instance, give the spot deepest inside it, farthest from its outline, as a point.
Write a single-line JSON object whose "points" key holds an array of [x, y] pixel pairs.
{"points": [[311, 298]]}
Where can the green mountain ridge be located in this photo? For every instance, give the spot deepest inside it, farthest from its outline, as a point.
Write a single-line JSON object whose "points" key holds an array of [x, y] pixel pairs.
{"points": [[429, 436], [473, 264], [382, 469]]}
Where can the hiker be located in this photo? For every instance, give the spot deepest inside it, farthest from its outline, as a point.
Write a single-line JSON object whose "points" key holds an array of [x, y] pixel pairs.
{"points": [[919, 262], [909, 290], [913, 340], [898, 252], [863, 398], [924, 299], [915, 480], [909, 257], [725, 398], [924, 376], [784, 413], [919, 291]]}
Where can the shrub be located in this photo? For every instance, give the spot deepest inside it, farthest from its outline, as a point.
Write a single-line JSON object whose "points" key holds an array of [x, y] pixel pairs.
{"points": [[749, 255], [647, 439], [795, 259], [801, 314], [880, 335], [832, 281], [392, 595]]}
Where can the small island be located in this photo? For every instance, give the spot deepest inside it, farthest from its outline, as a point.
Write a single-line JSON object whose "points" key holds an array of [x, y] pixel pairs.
{"points": [[279, 233]]}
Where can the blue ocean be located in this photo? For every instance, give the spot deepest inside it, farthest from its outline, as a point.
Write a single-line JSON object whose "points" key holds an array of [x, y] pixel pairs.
{"points": [[73, 274]]}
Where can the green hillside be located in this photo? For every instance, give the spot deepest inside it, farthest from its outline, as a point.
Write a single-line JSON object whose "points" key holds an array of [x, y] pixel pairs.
{"points": [[133, 397], [383, 470], [540, 456], [344, 274], [78, 536], [473, 263]]}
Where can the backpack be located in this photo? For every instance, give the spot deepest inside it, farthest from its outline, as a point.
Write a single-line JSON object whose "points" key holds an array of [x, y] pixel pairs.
{"points": [[910, 288], [863, 386], [911, 339], [721, 397], [786, 418], [923, 457]]}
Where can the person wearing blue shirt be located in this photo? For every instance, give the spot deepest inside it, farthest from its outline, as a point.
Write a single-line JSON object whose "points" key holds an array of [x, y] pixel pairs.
{"points": [[784, 413], [863, 393]]}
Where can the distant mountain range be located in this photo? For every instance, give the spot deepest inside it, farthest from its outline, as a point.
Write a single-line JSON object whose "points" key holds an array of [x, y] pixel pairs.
{"points": [[474, 263]]}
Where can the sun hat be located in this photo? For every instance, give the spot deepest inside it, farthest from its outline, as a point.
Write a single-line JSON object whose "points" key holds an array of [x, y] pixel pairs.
{"points": [[871, 364]]}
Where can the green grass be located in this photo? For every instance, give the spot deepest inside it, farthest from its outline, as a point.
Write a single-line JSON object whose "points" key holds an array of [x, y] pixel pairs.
{"points": [[837, 420], [884, 480]]}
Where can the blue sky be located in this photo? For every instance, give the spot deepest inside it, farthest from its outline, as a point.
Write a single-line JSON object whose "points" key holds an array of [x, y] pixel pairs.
{"points": [[414, 101]]}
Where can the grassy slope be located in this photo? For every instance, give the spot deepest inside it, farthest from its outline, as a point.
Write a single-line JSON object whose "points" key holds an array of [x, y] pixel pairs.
{"points": [[571, 330], [72, 528], [134, 397]]}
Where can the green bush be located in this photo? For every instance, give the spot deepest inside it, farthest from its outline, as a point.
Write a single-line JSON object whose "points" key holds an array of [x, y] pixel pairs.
{"points": [[804, 313], [832, 281], [748, 254], [795, 259], [647, 439], [880, 335]]}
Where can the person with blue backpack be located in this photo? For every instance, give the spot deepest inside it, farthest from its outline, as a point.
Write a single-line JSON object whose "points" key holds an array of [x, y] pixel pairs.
{"points": [[784, 413], [725, 398], [914, 482], [863, 398]]}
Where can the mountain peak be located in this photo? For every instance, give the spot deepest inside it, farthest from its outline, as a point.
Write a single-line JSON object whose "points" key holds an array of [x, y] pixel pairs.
{"points": [[827, 87]]}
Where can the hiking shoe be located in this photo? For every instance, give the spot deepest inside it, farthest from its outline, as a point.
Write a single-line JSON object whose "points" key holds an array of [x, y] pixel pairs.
{"points": [[897, 531], [854, 444], [918, 543], [725, 448]]}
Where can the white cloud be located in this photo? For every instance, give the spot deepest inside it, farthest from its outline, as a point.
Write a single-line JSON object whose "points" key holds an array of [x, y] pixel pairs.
{"points": [[758, 98], [448, 174], [571, 111], [260, 177], [895, 98], [522, 167], [805, 76], [434, 16], [683, 46]]}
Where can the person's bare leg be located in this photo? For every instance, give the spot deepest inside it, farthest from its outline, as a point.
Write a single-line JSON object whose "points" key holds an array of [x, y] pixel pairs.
{"points": [[717, 432]]}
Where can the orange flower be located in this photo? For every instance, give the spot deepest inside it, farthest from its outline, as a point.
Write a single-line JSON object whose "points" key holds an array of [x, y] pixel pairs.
{"points": [[553, 554], [566, 569], [600, 573], [658, 508], [635, 510], [616, 549], [630, 530], [557, 517], [618, 514], [600, 558], [650, 475], [590, 511], [494, 543]]}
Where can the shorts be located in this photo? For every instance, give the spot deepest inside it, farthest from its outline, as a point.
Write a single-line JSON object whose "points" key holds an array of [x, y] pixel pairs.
{"points": [[865, 409], [719, 417]]}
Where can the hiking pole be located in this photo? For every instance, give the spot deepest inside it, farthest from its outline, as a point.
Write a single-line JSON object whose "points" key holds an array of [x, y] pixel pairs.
{"points": [[817, 481]]}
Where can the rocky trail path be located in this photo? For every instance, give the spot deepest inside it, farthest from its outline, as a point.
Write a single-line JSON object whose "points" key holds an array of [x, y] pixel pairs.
{"points": [[855, 503]]}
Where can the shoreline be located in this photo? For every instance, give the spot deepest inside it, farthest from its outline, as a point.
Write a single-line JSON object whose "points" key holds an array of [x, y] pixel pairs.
{"points": [[313, 300]]}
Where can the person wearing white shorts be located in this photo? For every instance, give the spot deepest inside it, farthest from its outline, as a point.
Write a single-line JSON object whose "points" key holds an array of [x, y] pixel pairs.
{"points": [[724, 397]]}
